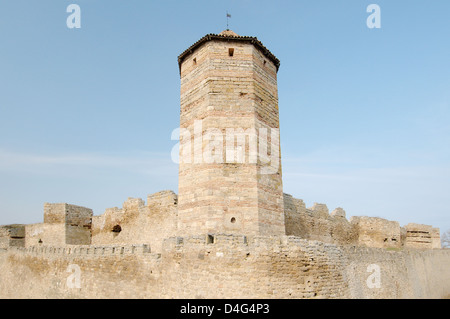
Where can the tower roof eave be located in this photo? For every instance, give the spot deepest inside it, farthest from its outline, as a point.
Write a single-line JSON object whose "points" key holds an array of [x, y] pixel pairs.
{"points": [[227, 37]]}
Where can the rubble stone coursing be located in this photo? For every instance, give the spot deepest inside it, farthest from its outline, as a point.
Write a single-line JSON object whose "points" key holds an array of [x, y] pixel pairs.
{"points": [[231, 266]]}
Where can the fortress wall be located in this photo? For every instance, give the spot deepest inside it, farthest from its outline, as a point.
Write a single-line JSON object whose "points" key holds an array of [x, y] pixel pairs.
{"points": [[78, 216], [403, 273], [54, 213], [421, 236], [48, 234], [316, 223], [4, 237], [435, 238], [56, 234], [260, 267], [139, 224], [224, 266], [12, 236], [76, 222], [66, 213], [78, 235], [377, 232], [105, 272]]}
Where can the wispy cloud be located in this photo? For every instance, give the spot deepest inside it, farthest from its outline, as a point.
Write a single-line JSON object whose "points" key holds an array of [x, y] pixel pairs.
{"points": [[151, 163]]}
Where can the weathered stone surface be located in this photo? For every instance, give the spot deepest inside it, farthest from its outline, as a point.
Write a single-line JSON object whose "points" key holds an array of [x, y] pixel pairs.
{"points": [[231, 266], [139, 223], [315, 223], [12, 236], [377, 232], [228, 85], [422, 236]]}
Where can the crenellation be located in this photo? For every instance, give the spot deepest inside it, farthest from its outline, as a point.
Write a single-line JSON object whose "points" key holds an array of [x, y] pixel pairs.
{"points": [[12, 236], [421, 236], [320, 210], [85, 250], [435, 238], [338, 213], [377, 232]]}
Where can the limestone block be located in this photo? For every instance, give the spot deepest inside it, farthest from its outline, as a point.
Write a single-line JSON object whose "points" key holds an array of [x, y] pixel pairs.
{"points": [[435, 238], [133, 203], [418, 236], [320, 209], [338, 212], [377, 232]]}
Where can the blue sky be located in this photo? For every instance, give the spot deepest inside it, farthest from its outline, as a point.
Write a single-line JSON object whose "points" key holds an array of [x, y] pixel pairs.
{"points": [[86, 114]]}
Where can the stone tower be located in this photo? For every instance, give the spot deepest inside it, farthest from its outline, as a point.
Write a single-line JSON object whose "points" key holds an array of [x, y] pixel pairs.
{"points": [[230, 160]]}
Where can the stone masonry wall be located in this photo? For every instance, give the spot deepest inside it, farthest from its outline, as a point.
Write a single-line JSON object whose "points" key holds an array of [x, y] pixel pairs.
{"points": [[228, 86], [139, 223], [223, 266], [53, 234], [316, 223], [12, 236], [77, 221], [377, 232], [421, 236]]}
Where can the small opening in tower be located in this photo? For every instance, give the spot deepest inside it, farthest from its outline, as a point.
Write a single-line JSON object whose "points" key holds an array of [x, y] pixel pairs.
{"points": [[210, 239], [117, 229], [231, 51], [265, 62], [195, 61], [233, 220]]}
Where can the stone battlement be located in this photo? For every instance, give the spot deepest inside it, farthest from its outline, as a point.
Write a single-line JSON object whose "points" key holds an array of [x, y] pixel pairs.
{"points": [[152, 223]]}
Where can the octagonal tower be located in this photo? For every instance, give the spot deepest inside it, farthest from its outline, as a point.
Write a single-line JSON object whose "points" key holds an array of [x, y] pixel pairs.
{"points": [[230, 160]]}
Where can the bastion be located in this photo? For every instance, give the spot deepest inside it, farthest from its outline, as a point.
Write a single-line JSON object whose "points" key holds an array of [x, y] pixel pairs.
{"points": [[230, 231]]}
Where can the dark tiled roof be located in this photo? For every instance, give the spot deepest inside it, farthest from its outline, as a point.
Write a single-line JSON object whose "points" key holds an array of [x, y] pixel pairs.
{"points": [[225, 37]]}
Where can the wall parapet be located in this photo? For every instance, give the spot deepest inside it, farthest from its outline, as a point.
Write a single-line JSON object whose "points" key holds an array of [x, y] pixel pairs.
{"points": [[86, 250]]}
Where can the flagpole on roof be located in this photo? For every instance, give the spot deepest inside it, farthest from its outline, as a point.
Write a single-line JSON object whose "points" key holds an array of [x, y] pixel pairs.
{"points": [[228, 16]]}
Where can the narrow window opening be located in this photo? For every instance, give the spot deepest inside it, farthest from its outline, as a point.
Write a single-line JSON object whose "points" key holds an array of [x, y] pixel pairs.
{"points": [[233, 220], [231, 51], [195, 61], [210, 239]]}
